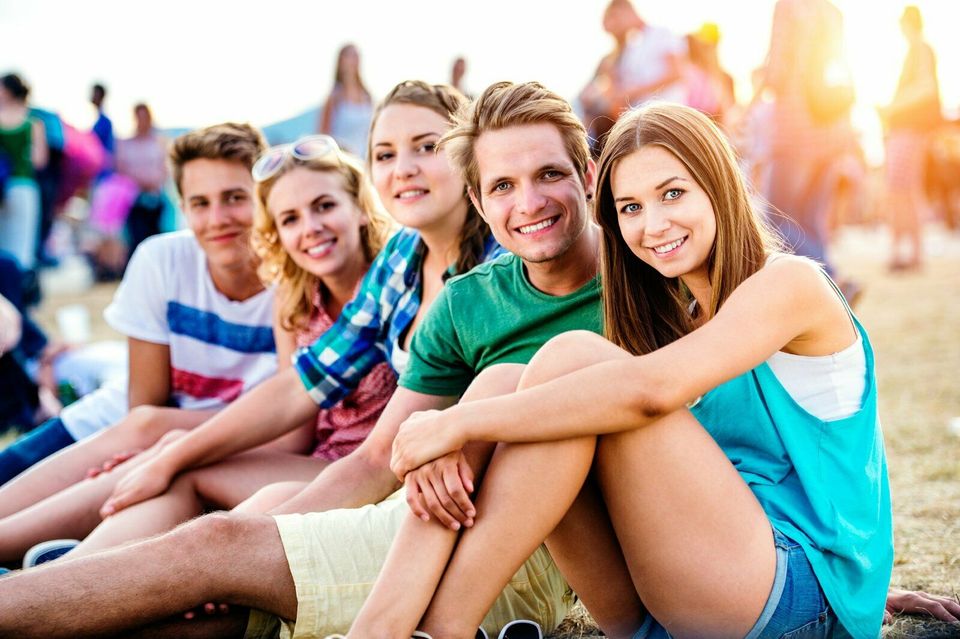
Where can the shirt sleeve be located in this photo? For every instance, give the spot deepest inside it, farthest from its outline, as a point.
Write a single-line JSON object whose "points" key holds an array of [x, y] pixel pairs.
{"points": [[139, 307], [438, 363], [334, 364]]}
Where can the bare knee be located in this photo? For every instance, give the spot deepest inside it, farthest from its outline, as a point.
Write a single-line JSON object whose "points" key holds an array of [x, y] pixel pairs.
{"points": [[146, 424], [271, 496], [243, 555], [495, 380], [223, 533], [568, 352]]}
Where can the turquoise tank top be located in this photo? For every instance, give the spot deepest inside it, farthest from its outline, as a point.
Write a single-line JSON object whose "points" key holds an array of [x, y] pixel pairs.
{"points": [[823, 484]]}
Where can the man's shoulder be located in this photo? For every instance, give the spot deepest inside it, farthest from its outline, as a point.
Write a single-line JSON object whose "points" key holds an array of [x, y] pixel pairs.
{"points": [[178, 246], [493, 273]]}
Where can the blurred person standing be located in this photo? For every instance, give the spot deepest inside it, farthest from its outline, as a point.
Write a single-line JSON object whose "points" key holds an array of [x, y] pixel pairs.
{"points": [[143, 159], [23, 151], [348, 108], [103, 127], [909, 120], [811, 100], [457, 72], [650, 61], [710, 88], [20, 341], [647, 62]]}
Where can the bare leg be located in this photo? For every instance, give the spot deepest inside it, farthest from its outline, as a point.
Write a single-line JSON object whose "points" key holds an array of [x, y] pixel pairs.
{"points": [[222, 485], [271, 496], [152, 580], [233, 624], [140, 429], [420, 550], [668, 488], [72, 512], [532, 491], [921, 212], [512, 521]]}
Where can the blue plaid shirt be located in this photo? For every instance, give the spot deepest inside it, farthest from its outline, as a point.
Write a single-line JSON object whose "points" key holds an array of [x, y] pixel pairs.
{"points": [[370, 326]]}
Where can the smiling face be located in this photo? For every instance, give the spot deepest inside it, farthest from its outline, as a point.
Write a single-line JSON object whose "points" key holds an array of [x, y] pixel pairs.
{"points": [[415, 182], [317, 221], [665, 217], [218, 206], [530, 191]]}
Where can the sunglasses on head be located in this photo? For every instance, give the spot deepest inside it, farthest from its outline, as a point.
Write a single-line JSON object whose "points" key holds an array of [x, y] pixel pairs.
{"points": [[310, 147]]}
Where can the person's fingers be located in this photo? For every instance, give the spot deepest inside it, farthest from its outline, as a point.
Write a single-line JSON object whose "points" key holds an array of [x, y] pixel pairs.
{"points": [[190, 614], [209, 608], [887, 617], [223, 609], [936, 610], [953, 607], [397, 465], [414, 498], [466, 474], [453, 482], [445, 509], [117, 502], [430, 501]]}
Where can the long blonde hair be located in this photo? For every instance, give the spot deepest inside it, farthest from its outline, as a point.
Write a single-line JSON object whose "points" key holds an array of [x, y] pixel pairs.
{"points": [[642, 309], [297, 287]]}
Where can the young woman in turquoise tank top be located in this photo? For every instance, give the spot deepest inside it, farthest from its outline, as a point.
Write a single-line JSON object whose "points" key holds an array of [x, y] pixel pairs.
{"points": [[711, 495]]}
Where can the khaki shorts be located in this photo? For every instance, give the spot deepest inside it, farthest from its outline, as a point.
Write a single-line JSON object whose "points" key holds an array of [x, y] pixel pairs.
{"points": [[335, 557]]}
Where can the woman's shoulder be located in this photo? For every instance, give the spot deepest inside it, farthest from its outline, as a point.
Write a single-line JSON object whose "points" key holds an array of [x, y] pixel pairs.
{"points": [[793, 275], [790, 264]]}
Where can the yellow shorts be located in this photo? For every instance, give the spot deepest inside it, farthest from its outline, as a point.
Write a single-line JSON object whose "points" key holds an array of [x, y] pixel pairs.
{"points": [[335, 557]]}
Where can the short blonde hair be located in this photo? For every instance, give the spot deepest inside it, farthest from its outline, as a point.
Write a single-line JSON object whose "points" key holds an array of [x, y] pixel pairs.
{"points": [[239, 143], [507, 104], [297, 286]]}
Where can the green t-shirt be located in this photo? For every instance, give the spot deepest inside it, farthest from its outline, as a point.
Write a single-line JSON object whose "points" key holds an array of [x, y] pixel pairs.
{"points": [[491, 315]]}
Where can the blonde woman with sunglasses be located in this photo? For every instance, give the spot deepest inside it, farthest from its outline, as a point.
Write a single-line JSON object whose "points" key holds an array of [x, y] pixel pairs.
{"points": [[317, 228]]}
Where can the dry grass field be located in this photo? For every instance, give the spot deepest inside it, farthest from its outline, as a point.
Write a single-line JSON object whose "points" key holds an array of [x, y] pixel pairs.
{"points": [[914, 324]]}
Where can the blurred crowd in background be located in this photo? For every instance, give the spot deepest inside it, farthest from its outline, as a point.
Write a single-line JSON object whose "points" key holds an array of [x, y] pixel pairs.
{"points": [[82, 200]]}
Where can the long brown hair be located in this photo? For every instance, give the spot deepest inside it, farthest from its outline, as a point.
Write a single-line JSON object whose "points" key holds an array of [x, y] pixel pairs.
{"points": [[339, 79], [446, 101], [642, 309]]}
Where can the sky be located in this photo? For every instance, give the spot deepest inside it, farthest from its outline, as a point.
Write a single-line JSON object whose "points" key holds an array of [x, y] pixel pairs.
{"points": [[197, 62]]}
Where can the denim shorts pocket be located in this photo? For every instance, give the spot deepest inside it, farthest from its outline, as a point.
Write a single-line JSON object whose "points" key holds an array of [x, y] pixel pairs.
{"points": [[819, 628]]}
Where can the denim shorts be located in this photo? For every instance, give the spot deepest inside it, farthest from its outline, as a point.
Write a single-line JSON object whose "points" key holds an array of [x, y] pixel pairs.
{"points": [[796, 608]]}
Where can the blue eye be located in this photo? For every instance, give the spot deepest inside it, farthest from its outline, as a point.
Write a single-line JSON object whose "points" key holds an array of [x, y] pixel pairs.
{"points": [[630, 208], [673, 194]]}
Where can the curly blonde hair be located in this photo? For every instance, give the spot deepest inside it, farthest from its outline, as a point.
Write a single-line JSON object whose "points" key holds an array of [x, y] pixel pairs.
{"points": [[297, 287]]}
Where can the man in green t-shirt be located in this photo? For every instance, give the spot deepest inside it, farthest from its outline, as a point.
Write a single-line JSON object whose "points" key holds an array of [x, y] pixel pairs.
{"points": [[529, 173]]}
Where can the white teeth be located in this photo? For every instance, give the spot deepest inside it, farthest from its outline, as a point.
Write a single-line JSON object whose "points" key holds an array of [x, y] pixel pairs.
{"points": [[533, 228], [319, 248], [666, 248], [411, 193]]}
